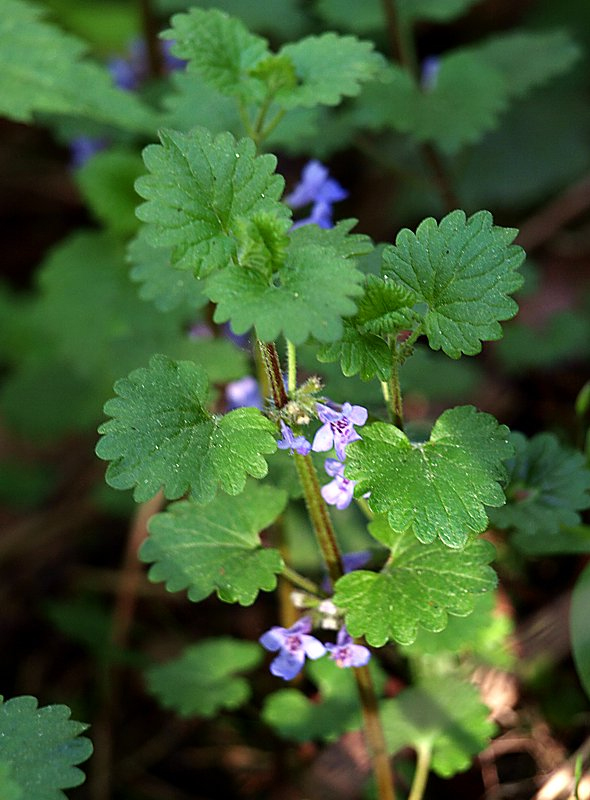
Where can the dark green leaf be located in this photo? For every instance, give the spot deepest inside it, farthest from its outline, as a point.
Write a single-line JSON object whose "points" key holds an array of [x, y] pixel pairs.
{"points": [[203, 680], [442, 717], [216, 547], [41, 746], [419, 587], [580, 631], [463, 269], [199, 188], [162, 436], [548, 485], [435, 488]]}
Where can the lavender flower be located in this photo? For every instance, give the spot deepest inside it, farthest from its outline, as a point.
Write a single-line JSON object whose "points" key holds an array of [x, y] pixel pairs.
{"points": [[290, 442], [337, 430], [347, 654], [430, 69], [294, 644], [338, 492], [82, 148], [318, 189], [243, 393]]}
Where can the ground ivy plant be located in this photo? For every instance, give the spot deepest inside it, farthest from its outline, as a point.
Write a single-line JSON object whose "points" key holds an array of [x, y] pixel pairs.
{"points": [[223, 246]]}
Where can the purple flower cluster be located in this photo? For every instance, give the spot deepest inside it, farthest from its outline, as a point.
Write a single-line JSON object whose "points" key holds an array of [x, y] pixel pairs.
{"points": [[295, 643], [317, 189]]}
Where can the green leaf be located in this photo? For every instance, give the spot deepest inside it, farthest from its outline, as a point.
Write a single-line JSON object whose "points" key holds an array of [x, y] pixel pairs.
{"points": [[419, 587], [527, 59], [368, 16], [435, 488], [483, 634], [41, 746], [9, 788], [106, 183], [463, 269], [434, 10], [216, 547], [383, 309], [444, 718], [162, 436], [193, 102], [166, 286], [286, 21], [221, 49], [580, 631], [548, 485], [328, 67], [359, 353], [565, 335], [294, 716], [199, 188], [465, 102], [203, 680], [432, 375], [308, 295], [42, 71]]}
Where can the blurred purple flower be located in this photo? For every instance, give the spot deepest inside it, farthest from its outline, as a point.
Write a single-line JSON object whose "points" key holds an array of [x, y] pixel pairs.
{"points": [[290, 442], [294, 644], [347, 654], [243, 393], [429, 74], [337, 430], [317, 189], [82, 148]]}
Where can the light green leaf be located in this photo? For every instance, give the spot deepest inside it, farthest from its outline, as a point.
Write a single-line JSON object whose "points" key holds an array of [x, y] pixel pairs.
{"points": [[9, 788], [526, 59], [548, 485], [166, 286], [328, 67], [286, 21], [294, 716], [203, 680], [580, 631], [419, 587], [162, 436], [483, 634], [463, 269], [308, 295], [42, 71], [445, 718], [221, 49], [193, 102], [368, 16], [359, 353], [106, 183], [199, 188], [216, 547], [435, 488], [384, 307], [41, 746]]}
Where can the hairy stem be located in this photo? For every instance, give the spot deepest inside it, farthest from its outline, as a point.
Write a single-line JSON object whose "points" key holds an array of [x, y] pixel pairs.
{"points": [[395, 393], [272, 367], [374, 733], [291, 367]]}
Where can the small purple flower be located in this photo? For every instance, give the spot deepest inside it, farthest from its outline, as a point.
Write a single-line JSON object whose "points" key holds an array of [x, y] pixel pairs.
{"points": [[294, 644], [82, 148], [430, 69], [338, 492], [243, 393], [337, 430], [290, 442], [317, 189], [347, 654]]}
